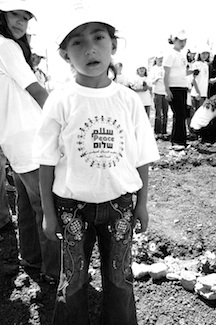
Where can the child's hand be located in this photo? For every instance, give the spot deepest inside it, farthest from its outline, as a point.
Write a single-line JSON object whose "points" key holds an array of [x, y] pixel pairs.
{"points": [[198, 97], [169, 95], [51, 228], [141, 214], [196, 72]]}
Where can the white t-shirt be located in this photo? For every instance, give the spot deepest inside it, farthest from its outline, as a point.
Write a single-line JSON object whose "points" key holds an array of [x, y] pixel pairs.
{"points": [[202, 78], [20, 114], [122, 79], [177, 64], [157, 79], [202, 117], [95, 138], [145, 96]]}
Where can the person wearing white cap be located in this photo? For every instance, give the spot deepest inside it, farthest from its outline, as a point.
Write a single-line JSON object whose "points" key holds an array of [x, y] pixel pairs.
{"points": [[94, 147], [199, 91], [20, 114], [175, 66], [142, 85], [160, 101]]}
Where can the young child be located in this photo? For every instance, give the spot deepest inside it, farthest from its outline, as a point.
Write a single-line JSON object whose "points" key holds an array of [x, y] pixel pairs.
{"points": [[143, 87], [199, 91], [121, 78], [94, 147], [21, 101], [160, 102], [175, 81]]}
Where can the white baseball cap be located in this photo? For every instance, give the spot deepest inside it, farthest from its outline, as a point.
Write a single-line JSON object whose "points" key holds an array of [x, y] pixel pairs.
{"points": [[181, 35], [204, 48], [10, 5], [83, 14], [159, 54]]}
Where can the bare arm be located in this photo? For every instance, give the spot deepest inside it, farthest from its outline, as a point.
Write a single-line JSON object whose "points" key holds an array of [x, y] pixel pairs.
{"points": [[141, 212], [38, 93], [50, 223], [196, 88], [166, 83]]}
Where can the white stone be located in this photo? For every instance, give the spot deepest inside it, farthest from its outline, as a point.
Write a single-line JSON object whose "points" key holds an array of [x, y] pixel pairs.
{"points": [[206, 286], [188, 280], [139, 270], [158, 270], [173, 276], [208, 281]]}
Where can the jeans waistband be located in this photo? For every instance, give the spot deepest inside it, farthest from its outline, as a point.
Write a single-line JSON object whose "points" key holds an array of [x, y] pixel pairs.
{"points": [[67, 202]]}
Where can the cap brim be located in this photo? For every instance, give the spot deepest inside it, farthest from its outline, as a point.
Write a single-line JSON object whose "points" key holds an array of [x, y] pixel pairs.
{"points": [[84, 18], [17, 5]]}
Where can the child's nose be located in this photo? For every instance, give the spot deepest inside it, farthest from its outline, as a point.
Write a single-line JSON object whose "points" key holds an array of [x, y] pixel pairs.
{"points": [[20, 21], [90, 49]]}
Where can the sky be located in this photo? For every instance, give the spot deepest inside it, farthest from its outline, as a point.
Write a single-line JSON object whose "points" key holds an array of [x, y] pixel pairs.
{"points": [[144, 27]]}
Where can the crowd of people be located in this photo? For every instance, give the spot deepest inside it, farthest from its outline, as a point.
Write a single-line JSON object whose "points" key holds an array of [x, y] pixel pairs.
{"points": [[80, 165], [182, 83]]}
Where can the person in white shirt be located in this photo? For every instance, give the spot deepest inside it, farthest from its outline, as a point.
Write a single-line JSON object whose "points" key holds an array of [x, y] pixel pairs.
{"points": [[94, 148], [199, 91], [203, 122], [160, 101], [121, 78], [142, 85], [175, 66], [21, 101]]}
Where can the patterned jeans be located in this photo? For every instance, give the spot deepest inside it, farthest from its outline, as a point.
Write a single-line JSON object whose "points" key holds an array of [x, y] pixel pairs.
{"points": [[112, 224]]}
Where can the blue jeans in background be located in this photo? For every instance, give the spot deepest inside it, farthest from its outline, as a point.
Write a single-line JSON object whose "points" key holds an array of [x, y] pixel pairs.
{"points": [[35, 247], [5, 215], [112, 224]]}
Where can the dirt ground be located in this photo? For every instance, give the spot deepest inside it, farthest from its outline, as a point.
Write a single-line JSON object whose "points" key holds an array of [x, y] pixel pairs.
{"points": [[182, 224]]}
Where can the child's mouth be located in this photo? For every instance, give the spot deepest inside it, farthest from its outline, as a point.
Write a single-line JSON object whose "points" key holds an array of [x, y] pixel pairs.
{"points": [[93, 63]]}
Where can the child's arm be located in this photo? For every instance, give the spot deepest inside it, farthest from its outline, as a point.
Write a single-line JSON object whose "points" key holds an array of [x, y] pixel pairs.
{"points": [[50, 223], [141, 212], [196, 88], [169, 95]]}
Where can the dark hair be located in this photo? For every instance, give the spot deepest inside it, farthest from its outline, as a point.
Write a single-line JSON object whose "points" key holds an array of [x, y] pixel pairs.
{"points": [[170, 40], [189, 59], [199, 57], [23, 41], [112, 69], [145, 74]]}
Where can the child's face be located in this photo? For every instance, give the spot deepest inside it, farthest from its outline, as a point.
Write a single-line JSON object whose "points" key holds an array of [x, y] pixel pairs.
{"points": [[17, 22], [141, 71], [159, 61], [204, 56], [179, 44], [89, 51]]}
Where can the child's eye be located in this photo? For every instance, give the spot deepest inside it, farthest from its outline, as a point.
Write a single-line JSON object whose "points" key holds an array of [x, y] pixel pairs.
{"points": [[99, 37], [76, 43]]}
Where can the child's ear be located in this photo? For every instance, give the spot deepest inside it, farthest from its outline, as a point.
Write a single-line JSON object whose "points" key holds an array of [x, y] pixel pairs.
{"points": [[114, 46], [64, 55]]}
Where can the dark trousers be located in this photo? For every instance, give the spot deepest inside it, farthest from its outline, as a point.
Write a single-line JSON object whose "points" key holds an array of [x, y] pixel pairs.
{"points": [[112, 224], [35, 247], [161, 111], [179, 109], [197, 103]]}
